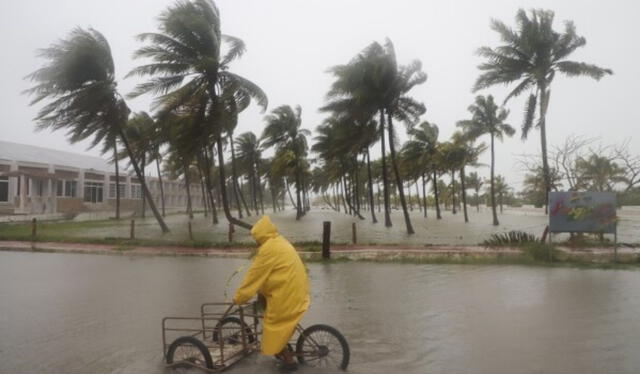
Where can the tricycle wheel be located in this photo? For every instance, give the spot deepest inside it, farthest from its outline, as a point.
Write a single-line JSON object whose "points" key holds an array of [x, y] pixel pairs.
{"points": [[230, 329], [323, 346], [189, 351]]}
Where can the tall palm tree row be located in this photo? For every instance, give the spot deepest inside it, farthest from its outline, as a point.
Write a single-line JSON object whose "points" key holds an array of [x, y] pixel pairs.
{"points": [[375, 84], [488, 119], [531, 55], [79, 84]]}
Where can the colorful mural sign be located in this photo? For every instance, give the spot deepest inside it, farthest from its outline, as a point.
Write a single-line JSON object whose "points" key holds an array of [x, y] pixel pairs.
{"points": [[582, 212]]}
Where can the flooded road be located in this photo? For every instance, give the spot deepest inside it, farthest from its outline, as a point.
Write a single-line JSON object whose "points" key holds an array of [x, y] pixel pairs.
{"points": [[451, 230], [64, 313]]}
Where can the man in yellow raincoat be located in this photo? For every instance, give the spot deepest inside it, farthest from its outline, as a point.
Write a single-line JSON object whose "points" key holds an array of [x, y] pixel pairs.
{"points": [[277, 273]]}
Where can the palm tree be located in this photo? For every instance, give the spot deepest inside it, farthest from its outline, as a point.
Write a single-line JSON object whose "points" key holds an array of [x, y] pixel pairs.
{"points": [[421, 149], [156, 137], [475, 182], [187, 60], [79, 81], [464, 154], [249, 151], [487, 118], [284, 132], [139, 130], [502, 189], [599, 173], [532, 55]]}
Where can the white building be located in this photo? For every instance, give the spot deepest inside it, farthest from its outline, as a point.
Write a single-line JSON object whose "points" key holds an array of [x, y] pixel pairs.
{"points": [[37, 180]]}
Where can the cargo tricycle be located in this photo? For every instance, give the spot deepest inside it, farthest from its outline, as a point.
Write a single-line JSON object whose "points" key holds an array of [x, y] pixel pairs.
{"points": [[225, 333]]}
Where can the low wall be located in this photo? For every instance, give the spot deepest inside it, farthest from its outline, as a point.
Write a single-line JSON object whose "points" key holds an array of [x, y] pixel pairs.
{"points": [[71, 205]]}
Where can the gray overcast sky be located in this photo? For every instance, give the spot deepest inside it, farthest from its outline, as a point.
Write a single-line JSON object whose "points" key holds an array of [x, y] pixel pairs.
{"points": [[291, 43]]}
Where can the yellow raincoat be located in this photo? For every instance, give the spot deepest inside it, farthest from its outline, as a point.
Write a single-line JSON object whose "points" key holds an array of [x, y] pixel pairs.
{"points": [[277, 272]]}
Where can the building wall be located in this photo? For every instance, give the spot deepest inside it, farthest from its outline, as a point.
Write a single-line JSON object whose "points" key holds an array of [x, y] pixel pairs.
{"points": [[38, 193]]}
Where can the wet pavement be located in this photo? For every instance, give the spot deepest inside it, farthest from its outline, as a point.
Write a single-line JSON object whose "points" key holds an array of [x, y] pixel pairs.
{"points": [[68, 313]]}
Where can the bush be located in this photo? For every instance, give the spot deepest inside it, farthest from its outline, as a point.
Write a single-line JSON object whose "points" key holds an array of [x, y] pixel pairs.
{"points": [[511, 238], [540, 251]]}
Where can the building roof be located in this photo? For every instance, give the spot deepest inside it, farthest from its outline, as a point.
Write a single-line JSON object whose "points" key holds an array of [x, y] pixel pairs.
{"points": [[30, 153]]}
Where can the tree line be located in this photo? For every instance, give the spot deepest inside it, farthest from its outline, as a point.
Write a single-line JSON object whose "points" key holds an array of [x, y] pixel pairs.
{"points": [[188, 69]]}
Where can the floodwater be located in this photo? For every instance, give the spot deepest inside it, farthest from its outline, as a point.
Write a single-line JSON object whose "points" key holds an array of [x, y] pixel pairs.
{"points": [[66, 313], [451, 230]]}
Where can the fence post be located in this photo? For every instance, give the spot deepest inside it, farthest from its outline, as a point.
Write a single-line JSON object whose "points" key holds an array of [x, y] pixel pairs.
{"points": [[190, 230], [354, 233], [34, 228], [326, 240], [132, 232], [231, 230]]}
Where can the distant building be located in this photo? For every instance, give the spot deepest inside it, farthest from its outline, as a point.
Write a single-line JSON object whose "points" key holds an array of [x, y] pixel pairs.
{"points": [[37, 180]]}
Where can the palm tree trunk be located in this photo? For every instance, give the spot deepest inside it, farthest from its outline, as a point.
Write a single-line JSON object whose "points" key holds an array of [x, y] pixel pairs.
{"points": [[435, 193], [342, 192], [544, 105], [209, 165], [424, 196], [260, 195], [415, 184], [373, 213], [378, 196], [453, 191], [160, 181], [385, 179], [298, 189], [115, 157], [464, 195], [144, 200], [187, 181], [254, 186], [274, 197], [477, 200], [143, 183], [493, 195], [293, 203], [356, 186], [205, 202], [234, 179], [394, 164], [244, 202], [409, 197], [352, 209], [225, 201]]}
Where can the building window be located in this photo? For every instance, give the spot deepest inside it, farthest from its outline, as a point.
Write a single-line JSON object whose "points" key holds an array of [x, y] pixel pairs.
{"points": [[66, 188], [93, 192], [112, 190], [136, 191], [4, 189]]}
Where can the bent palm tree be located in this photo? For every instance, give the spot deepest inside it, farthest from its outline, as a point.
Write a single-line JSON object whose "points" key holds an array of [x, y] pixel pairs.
{"points": [[532, 55], [487, 118], [475, 182], [284, 132], [79, 81], [187, 60]]}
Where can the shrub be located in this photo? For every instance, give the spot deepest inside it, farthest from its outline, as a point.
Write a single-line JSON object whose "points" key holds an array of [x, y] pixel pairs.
{"points": [[511, 238], [540, 251]]}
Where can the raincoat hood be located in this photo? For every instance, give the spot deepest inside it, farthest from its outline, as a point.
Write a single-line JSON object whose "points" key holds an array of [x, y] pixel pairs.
{"points": [[264, 230]]}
